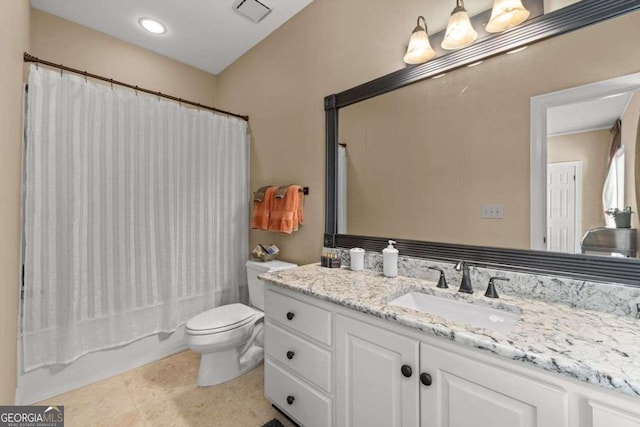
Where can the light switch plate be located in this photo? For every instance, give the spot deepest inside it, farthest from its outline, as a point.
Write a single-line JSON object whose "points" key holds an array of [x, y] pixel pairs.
{"points": [[492, 212]]}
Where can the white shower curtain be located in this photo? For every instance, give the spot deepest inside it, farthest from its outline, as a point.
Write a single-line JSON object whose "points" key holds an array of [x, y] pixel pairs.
{"points": [[136, 216], [342, 189]]}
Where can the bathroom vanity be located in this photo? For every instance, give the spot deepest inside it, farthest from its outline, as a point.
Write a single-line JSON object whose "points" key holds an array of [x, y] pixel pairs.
{"points": [[339, 352]]}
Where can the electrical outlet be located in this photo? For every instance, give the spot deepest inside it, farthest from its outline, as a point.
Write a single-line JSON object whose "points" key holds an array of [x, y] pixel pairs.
{"points": [[492, 212]]}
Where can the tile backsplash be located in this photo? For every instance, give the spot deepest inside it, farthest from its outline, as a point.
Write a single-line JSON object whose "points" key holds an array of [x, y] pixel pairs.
{"points": [[611, 298]]}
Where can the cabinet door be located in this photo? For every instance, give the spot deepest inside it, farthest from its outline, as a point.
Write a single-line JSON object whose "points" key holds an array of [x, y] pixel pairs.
{"points": [[467, 393], [372, 389], [607, 416]]}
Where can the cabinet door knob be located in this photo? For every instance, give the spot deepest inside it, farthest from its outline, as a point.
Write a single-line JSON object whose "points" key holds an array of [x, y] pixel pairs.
{"points": [[290, 315], [425, 379], [290, 400], [406, 371], [290, 355]]}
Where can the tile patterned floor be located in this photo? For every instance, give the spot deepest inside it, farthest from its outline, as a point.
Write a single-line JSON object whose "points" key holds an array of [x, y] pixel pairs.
{"points": [[164, 393]]}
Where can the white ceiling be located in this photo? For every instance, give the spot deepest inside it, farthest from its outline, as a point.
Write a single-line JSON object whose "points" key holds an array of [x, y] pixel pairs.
{"points": [[591, 115], [207, 34]]}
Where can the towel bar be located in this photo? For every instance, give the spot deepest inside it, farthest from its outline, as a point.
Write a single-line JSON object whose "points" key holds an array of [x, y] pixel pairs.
{"points": [[303, 190]]}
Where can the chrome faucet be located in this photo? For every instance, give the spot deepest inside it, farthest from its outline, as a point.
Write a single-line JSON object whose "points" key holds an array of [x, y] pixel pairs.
{"points": [[465, 284]]}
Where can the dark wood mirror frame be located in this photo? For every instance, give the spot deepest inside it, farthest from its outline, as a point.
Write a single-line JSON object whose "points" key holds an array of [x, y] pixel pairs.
{"points": [[584, 267]]}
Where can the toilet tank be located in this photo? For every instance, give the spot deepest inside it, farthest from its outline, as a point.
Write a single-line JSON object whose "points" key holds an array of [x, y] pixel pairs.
{"points": [[256, 286]]}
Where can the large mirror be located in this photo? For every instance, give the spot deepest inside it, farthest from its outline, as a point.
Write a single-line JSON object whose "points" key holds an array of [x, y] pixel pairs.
{"points": [[460, 159]]}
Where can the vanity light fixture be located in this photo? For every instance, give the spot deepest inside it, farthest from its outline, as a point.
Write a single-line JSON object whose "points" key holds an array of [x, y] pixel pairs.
{"points": [[475, 64], [506, 14], [459, 33], [152, 26], [520, 49], [419, 50]]}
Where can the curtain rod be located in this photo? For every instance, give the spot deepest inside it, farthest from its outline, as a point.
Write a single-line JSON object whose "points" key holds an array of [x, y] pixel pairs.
{"points": [[31, 58]]}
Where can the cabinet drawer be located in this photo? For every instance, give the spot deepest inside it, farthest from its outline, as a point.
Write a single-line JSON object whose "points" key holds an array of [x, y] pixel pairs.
{"points": [[306, 359], [305, 318], [309, 407]]}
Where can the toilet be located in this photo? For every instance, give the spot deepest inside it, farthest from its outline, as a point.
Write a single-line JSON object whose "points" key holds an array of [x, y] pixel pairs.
{"points": [[230, 338]]}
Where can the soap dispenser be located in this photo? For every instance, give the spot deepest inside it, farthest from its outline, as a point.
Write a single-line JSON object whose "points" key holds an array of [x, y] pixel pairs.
{"points": [[390, 260]]}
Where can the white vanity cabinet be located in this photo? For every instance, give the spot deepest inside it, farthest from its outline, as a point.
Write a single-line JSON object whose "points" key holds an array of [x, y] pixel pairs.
{"points": [[385, 379], [376, 376], [461, 392], [351, 369], [299, 358], [603, 415]]}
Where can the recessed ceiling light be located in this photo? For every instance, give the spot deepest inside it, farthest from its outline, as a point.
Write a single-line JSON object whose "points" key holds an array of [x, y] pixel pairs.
{"points": [[152, 26], [475, 64], [439, 76]]}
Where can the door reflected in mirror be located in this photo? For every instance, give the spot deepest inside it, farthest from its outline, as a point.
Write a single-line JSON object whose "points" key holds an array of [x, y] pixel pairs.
{"points": [[449, 159], [591, 147]]}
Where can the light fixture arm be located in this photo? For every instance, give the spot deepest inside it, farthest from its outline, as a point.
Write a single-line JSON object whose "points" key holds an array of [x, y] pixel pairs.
{"points": [[459, 7], [419, 27]]}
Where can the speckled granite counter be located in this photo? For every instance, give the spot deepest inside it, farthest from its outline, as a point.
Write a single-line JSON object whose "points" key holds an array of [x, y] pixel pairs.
{"points": [[591, 346]]}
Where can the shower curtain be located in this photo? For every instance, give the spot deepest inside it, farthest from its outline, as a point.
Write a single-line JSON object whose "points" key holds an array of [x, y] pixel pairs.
{"points": [[136, 216], [613, 189]]}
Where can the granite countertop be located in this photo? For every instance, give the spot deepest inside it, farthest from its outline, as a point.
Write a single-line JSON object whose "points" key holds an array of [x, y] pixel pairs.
{"points": [[590, 346]]}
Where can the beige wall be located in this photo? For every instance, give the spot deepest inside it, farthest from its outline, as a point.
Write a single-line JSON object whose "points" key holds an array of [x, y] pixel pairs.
{"points": [[328, 47], [592, 149], [14, 39], [61, 41], [282, 81], [630, 135]]}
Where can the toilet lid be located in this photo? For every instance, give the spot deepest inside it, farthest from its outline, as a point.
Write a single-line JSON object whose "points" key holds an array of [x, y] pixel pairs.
{"points": [[221, 317]]}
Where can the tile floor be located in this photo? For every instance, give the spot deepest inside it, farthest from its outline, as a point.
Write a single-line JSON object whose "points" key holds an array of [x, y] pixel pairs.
{"points": [[164, 393]]}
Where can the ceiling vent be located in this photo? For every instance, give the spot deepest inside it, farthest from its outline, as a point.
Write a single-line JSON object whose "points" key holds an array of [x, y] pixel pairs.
{"points": [[253, 10]]}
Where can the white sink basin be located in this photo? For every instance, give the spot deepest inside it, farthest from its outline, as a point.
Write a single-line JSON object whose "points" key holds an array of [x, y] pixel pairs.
{"points": [[473, 314]]}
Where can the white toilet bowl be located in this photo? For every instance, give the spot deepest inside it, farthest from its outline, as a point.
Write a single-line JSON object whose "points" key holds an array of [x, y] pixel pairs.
{"points": [[230, 338], [226, 337]]}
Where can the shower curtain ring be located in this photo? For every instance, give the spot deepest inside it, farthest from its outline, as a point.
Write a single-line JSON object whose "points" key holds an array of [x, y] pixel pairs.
{"points": [[85, 76], [136, 89], [111, 84], [37, 66], [60, 70]]}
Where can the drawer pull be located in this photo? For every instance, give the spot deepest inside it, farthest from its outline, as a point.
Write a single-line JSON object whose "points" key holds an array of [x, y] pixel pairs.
{"points": [[290, 315], [425, 379], [290, 355], [406, 371], [290, 400]]}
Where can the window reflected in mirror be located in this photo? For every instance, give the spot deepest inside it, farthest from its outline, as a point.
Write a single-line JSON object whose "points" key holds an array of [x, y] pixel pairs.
{"points": [[591, 189]]}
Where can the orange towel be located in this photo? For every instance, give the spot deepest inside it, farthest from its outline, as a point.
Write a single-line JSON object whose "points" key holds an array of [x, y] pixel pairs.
{"points": [[262, 210], [287, 212]]}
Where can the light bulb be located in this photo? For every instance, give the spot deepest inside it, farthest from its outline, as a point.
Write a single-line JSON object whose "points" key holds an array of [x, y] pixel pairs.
{"points": [[419, 50], [152, 26], [506, 14], [459, 33]]}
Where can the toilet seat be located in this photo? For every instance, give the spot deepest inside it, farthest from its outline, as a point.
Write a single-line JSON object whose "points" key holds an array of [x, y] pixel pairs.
{"points": [[221, 319]]}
